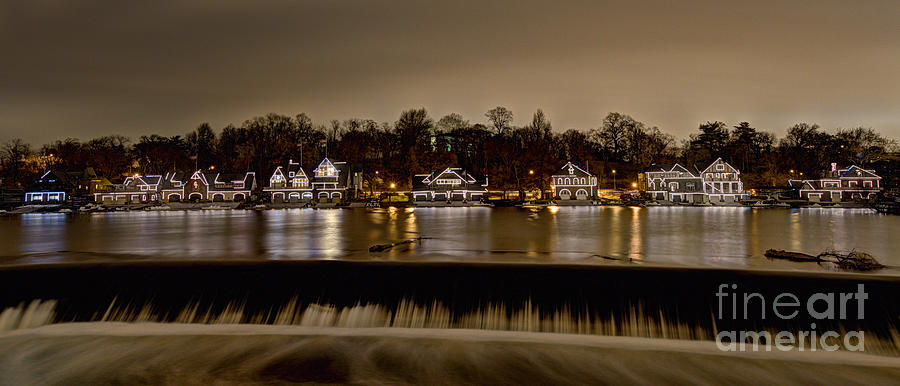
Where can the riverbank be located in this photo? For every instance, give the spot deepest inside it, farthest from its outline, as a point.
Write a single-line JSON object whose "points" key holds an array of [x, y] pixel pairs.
{"points": [[94, 208]]}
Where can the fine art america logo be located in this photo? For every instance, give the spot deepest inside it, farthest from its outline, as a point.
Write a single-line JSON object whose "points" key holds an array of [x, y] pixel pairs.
{"points": [[752, 306]]}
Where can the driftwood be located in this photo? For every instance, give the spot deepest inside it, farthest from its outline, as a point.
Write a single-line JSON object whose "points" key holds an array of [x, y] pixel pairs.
{"points": [[385, 247], [627, 259], [853, 260], [792, 256]]}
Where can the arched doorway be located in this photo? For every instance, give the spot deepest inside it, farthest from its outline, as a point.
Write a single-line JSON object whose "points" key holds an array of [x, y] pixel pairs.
{"points": [[581, 194]]}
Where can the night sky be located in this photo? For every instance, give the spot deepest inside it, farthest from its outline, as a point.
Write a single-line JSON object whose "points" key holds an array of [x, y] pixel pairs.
{"points": [[89, 68]]}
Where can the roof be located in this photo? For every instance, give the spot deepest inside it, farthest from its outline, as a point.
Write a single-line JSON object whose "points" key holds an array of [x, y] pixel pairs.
{"points": [[720, 160], [856, 171], [570, 166], [425, 181]]}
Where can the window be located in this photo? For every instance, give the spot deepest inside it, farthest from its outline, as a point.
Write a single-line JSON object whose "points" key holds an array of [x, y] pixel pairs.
{"points": [[291, 174], [720, 167], [853, 184], [867, 184], [326, 171]]}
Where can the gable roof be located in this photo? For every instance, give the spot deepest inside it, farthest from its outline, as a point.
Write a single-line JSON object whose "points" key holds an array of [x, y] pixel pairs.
{"points": [[856, 171], [199, 175], [421, 181], [327, 162], [570, 165], [717, 161]]}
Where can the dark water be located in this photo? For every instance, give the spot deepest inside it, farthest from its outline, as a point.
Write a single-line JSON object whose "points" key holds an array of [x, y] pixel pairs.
{"points": [[701, 237]]}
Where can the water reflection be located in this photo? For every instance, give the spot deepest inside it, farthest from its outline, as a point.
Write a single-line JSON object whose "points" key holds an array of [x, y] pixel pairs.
{"points": [[735, 237]]}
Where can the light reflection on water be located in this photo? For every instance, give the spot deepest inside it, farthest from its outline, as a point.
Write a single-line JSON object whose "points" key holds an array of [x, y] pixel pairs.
{"points": [[733, 237]]}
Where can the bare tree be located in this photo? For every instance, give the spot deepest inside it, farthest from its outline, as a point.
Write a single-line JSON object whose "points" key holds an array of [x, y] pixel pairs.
{"points": [[501, 118], [14, 154]]}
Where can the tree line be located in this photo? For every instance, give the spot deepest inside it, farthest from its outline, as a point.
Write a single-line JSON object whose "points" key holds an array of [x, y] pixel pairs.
{"points": [[514, 157]]}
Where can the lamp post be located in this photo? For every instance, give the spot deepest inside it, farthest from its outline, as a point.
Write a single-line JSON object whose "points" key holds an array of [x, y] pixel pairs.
{"points": [[614, 179]]}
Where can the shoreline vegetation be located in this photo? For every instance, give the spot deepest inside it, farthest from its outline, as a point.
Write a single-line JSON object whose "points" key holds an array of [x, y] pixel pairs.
{"points": [[517, 158]]}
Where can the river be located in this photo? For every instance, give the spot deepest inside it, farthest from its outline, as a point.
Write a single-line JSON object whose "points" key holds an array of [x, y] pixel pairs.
{"points": [[671, 236]]}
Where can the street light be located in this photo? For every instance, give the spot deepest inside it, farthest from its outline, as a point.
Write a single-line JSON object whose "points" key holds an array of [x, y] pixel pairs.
{"points": [[614, 179], [634, 185], [531, 172], [393, 185]]}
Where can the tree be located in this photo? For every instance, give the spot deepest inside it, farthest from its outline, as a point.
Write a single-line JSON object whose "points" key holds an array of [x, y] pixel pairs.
{"points": [[538, 146], [860, 145], [414, 131], [67, 154], [14, 154], [613, 134], [711, 142], [802, 148], [575, 146], [450, 123], [500, 118], [742, 140], [156, 154], [202, 145], [109, 155]]}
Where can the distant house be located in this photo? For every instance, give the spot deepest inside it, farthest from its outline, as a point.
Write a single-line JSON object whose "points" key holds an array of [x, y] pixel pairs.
{"points": [[717, 183], [289, 183], [53, 186], [451, 184], [852, 183], [208, 186], [722, 182], [573, 183], [134, 190], [330, 180], [58, 186], [171, 187]]}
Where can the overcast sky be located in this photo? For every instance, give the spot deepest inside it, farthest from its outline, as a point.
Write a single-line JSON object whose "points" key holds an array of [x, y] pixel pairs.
{"points": [[88, 68]]}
